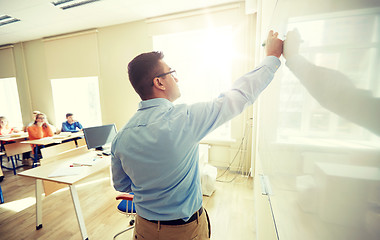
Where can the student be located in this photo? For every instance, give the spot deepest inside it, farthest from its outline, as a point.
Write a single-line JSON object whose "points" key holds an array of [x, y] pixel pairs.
{"points": [[4, 127], [71, 125], [40, 128], [53, 128], [155, 155]]}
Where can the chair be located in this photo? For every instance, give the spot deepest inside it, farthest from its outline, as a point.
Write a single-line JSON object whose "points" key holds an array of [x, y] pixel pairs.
{"points": [[47, 152], [1, 196], [1, 179], [127, 207], [13, 150]]}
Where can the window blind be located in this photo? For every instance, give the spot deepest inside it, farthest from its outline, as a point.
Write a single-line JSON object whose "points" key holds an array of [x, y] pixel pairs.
{"points": [[72, 55], [7, 66]]}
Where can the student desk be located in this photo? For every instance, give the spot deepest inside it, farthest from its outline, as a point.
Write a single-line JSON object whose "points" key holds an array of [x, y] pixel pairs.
{"points": [[50, 140], [4, 139], [12, 137], [63, 161]]}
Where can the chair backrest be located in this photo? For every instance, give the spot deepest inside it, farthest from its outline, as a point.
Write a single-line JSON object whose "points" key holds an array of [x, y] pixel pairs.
{"points": [[81, 142], [126, 205], [57, 149], [17, 148]]}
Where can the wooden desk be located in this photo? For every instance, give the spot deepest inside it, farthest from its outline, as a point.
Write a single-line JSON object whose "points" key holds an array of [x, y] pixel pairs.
{"points": [[4, 139], [64, 160], [50, 140], [12, 137]]}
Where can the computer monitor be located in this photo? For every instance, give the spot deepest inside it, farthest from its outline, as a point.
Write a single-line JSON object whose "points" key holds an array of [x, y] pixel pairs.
{"points": [[97, 137]]}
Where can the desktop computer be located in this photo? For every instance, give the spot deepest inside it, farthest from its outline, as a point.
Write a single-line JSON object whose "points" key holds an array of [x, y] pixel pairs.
{"points": [[100, 137]]}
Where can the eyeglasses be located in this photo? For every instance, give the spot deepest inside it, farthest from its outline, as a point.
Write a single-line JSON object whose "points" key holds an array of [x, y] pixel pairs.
{"points": [[173, 73]]}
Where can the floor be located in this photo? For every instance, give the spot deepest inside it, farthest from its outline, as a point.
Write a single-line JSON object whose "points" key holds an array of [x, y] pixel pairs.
{"points": [[230, 209]]}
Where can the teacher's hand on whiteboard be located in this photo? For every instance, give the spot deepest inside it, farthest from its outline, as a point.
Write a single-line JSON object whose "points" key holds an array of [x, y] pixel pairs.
{"points": [[274, 45]]}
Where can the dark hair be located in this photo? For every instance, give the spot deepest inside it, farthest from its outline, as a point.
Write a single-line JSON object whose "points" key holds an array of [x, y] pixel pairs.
{"points": [[68, 115], [37, 116], [142, 70]]}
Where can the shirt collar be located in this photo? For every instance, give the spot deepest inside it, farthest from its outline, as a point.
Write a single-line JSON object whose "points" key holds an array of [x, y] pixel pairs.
{"points": [[154, 103]]}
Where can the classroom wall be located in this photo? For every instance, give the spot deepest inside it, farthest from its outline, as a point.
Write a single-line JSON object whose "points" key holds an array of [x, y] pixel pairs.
{"points": [[116, 46]]}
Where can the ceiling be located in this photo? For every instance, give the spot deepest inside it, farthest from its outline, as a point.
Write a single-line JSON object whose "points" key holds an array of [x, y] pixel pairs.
{"points": [[24, 20]]}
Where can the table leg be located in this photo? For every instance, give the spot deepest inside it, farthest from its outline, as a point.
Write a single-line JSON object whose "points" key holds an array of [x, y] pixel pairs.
{"points": [[39, 191], [78, 211], [35, 156], [13, 164]]}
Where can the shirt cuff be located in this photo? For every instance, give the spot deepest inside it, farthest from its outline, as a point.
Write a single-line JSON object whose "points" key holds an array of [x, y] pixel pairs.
{"points": [[272, 62]]}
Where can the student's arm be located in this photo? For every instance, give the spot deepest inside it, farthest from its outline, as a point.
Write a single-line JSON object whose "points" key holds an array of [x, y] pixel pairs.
{"points": [[79, 125], [48, 131]]}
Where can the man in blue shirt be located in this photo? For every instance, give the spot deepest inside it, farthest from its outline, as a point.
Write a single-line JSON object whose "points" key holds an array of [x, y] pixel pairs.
{"points": [[155, 155], [71, 125]]}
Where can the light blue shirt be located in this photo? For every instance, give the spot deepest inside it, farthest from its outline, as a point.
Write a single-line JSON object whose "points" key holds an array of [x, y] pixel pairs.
{"points": [[67, 127], [155, 155]]}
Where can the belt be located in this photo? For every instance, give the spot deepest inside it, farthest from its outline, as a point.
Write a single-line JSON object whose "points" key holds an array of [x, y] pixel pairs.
{"points": [[179, 221]]}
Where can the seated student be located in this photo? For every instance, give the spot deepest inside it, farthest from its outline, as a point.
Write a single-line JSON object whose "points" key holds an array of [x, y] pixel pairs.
{"points": [[71, 125], [32, 122], [40, 128], [4, 127]]}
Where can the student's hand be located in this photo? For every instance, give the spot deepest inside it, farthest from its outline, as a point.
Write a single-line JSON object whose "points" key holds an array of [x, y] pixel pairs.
{"points": [[273, 46]]}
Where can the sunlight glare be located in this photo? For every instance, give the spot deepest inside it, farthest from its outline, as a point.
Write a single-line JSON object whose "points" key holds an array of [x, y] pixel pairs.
{"points": [[19, 205]]}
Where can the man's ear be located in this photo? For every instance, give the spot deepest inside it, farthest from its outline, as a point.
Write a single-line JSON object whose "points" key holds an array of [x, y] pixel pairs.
{"points": [[157, 82]]}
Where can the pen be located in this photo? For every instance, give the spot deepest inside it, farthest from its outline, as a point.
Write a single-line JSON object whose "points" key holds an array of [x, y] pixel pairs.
{"points": [[79, 165]]}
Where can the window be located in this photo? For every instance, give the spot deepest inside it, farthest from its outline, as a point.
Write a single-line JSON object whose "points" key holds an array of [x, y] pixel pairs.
{"points": [[79, 96], [9, 102], [203, 61]]}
